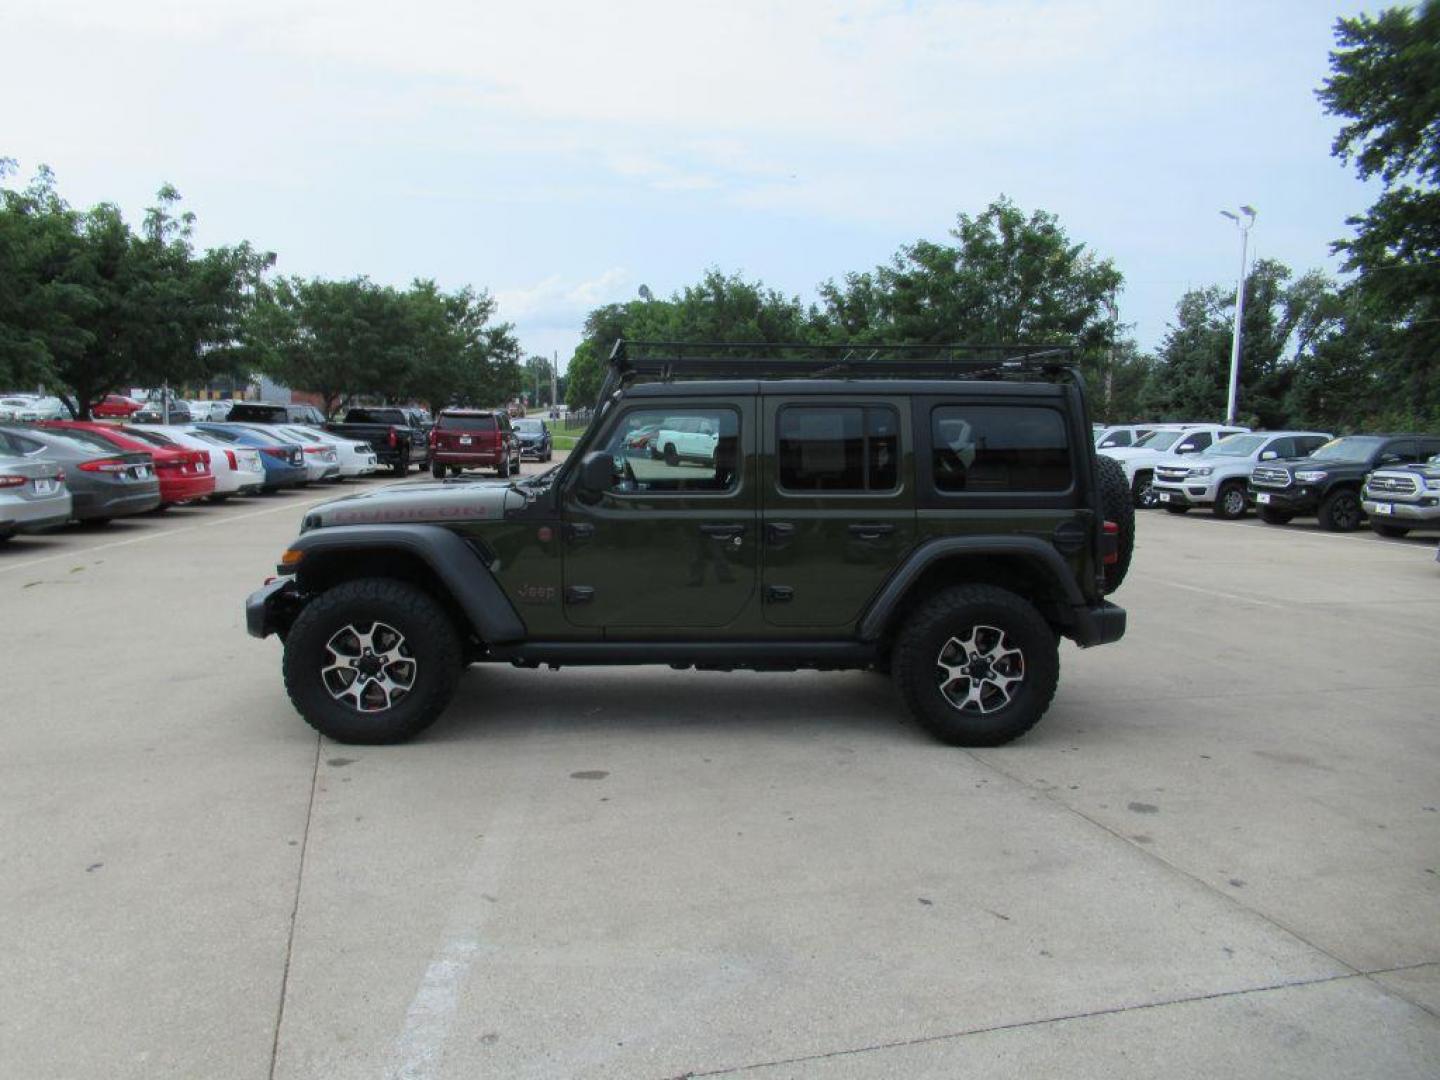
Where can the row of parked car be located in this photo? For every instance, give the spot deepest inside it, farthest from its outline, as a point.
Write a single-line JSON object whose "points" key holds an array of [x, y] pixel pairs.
{"points": [[57, 471], [1390, 480], [53, 471], [31, 408]]}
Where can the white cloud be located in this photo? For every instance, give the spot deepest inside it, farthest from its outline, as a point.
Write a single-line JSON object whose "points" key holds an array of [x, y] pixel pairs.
{"points": [[556, 301]]}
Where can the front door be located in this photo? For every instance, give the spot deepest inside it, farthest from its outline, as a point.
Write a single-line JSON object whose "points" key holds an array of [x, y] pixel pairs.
{"points": [[839, 512], [672, 546]]}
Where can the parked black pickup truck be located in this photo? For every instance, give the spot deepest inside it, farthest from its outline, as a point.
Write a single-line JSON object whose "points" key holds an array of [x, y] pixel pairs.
{"points": [[400, 437]]}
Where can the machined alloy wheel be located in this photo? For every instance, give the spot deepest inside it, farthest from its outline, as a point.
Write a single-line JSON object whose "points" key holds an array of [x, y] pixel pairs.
{"points": [[373, 660], [981, 672], [368, 667], [1145, 497], [1230, 503], [976, 665]]}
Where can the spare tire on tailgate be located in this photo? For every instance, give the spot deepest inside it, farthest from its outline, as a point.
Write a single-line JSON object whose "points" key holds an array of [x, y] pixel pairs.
{"points": [[1119, 507]]}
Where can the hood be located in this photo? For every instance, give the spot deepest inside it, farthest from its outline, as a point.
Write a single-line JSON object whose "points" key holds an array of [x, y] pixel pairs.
{"points": [[439, 503]]}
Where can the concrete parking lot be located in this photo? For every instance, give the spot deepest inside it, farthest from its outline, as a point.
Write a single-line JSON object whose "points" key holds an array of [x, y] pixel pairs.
{"points": [[1219, 855]]}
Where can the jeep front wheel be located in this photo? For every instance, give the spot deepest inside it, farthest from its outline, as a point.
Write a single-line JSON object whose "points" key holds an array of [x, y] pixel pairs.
{"points": [[976, 665], [372, 661]]}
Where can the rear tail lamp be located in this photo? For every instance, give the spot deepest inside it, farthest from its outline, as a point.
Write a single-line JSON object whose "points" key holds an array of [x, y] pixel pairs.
{"points": [[393, 438], [13, 481], [1110, 549], [230, 457], [277, 452], [106, 465]]}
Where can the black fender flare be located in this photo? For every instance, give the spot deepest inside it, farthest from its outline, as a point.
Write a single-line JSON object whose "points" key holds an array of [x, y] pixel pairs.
{"points": [[457, 565], [1030, 548]]}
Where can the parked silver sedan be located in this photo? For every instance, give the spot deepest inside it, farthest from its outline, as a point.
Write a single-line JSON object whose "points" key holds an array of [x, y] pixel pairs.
{"points": [[33, 495]]}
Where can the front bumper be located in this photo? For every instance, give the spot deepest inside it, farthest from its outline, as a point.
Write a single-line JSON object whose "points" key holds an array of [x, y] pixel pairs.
{"points": [[272, 608], [1097, 624], [1183, 494], [1291, 500], [1410, 513], [535, 450]]}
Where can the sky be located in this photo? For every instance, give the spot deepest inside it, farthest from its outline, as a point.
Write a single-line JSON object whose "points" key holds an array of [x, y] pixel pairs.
{"points": [[560, 155]]}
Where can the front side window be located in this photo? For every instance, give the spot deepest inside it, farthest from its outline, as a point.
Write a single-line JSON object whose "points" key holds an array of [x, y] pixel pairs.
{"points": [[997, 448], [695, 450], [838, 448]]}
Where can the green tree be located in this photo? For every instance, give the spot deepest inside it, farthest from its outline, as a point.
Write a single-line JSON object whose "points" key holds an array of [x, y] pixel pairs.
{"points": [[1385, 81], [1284, 322], [456, 355], [1009, 277], [90, 307]]}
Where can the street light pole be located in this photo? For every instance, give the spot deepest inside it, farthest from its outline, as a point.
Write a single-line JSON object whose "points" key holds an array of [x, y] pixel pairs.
{"points": [[1244, 224]]}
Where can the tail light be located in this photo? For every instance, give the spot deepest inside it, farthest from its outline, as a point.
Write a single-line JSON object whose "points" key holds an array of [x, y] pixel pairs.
{"points": [[393, 438], [230, 457], [277, 452], [314, 449], [1110, 549], [13, 481], [431, 438], [105, 465]]}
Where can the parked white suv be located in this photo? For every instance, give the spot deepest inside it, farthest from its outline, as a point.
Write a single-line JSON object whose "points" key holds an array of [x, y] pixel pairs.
{"points": [[1116, 436], [1216, 476], [1139, 461], [691, 437]]}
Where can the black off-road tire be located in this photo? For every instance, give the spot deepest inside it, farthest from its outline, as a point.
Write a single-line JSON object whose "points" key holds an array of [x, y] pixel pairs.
{"points": [[1273, 517], [1225, 501], [431, 636], [954, 613], [1340, 511], [1118, 507], [1392, 531]]}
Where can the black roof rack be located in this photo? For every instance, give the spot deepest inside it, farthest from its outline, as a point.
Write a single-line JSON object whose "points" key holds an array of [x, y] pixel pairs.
{"points": [[668, 360]]}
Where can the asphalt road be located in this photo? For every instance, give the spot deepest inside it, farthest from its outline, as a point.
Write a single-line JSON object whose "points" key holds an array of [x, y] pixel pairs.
{"points": [[1219, 855]]}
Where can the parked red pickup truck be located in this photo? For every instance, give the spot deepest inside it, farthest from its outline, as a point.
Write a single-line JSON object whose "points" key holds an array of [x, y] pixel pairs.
{"points": [[473, 439]]}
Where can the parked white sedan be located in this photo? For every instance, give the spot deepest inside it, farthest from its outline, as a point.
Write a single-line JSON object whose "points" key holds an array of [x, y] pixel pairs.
{"points": [[238, 469], [355, 458]]}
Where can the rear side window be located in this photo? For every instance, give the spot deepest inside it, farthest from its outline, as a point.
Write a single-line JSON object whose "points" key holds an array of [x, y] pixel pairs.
{"points": [[447, 422], [985, 448], [846, 448]]}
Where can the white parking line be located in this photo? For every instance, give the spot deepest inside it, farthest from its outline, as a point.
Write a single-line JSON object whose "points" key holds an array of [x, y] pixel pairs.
{"points": [[1284, 532], [1219, 594]]}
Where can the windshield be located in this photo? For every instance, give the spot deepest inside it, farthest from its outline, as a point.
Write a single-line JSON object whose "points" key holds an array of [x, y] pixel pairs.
{"points": [[532, 427], [1234, 446], [375, 416], [1159, 440], [1355, 449]]}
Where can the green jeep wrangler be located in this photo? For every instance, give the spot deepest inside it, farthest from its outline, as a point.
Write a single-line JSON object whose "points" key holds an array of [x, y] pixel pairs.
{"points": [[937, 514]]}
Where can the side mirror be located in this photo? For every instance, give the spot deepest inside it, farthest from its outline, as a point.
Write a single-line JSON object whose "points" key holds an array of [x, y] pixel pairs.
{"points": [[1391, 459], [1185, 448], [597, 473], [1108, 443], [1268, 455]]}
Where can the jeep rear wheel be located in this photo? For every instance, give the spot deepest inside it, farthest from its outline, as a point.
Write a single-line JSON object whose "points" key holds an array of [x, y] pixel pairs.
{"points": [[976, 665], [372, 661], [1116, 504]]}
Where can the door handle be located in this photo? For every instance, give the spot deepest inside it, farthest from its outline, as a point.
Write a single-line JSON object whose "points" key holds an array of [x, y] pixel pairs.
{"points": [[579, 530], [779, 532], [579, 594], [722, 531], [871, 530]]}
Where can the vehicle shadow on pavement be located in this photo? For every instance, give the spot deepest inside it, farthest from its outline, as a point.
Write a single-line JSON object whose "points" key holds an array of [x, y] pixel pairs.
{"points": [[505, 703]]}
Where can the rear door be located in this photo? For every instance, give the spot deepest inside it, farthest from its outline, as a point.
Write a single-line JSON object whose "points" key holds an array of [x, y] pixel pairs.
{"points": [[839, 506]]}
